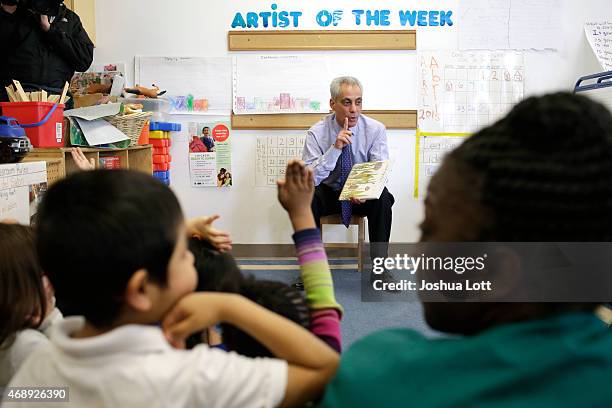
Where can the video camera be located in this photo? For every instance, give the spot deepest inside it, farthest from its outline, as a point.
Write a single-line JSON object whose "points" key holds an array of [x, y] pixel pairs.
{"points": [[47, 7]]}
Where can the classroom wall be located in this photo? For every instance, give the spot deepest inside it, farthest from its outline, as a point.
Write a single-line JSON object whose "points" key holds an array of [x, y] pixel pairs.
{"points": [[199, 28]]}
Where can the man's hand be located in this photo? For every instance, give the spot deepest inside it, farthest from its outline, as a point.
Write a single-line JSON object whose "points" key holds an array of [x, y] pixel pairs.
{"points": [[44, 23], [356, 201], [344, 137], [201, 227], [9, 9]]}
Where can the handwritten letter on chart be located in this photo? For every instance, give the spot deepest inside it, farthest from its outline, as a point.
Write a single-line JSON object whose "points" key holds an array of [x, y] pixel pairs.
{"points": [[464, 91], [273, 153], [600, 39], [431, 149]]}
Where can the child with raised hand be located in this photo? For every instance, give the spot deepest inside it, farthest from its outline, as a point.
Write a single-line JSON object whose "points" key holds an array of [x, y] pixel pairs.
{"points": [[295, 194], [319, 312], [116, 354], [27, 309]]}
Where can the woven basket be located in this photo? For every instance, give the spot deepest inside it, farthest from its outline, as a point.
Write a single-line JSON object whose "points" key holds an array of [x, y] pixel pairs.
{"points": [[131, 124]]}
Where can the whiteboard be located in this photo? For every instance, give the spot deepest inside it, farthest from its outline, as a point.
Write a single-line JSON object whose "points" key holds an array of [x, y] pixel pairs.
{"points": [[196, 85], [280, 83]]}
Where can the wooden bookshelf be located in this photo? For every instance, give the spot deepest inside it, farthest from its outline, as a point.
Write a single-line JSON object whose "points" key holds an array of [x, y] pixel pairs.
{"points": [[60, 163]]}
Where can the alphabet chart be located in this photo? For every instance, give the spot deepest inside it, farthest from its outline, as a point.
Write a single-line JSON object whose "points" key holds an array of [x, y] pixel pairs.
{"points": [[464, 91], [273, 153]]}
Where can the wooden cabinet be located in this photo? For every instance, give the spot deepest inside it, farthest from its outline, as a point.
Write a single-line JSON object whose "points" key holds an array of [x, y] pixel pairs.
{"points": [[60, 163], [86, 10]]}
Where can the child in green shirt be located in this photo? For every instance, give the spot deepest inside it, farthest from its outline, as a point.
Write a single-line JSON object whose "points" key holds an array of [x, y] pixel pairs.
{"points": [[541, 174]]}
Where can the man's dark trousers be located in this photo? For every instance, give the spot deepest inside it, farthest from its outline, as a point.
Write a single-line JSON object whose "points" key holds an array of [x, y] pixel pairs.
{"points": [[379, 214]]}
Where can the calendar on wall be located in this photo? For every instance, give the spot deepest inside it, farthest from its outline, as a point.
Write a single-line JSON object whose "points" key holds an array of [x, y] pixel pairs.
{"points": [[465, 91], [273, 153]]}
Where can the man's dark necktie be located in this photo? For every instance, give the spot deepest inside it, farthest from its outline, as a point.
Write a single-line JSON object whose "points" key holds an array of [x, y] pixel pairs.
{"points": [[346, 164]]}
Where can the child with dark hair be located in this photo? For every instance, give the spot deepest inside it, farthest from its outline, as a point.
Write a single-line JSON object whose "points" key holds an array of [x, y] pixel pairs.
{"points": [[217, 272], [543, 173], [122, 235], [275, 296], [319, 311], [27, 309]]}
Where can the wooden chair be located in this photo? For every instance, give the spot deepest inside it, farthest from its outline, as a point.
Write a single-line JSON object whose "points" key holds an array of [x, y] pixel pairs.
{"points": [[358, 220]]}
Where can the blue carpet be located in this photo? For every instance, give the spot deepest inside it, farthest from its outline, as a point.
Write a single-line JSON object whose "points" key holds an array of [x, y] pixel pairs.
{"points": [[360, 318]]}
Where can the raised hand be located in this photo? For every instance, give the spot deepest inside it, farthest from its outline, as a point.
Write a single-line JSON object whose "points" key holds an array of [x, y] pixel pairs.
{"points": [[295, 194], [81, 161]]}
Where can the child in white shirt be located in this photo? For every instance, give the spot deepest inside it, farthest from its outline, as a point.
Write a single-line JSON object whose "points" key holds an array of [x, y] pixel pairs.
{"points": [[123, 262]]}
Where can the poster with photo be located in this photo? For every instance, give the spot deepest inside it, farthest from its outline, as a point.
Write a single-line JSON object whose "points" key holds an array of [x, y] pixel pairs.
{"points": [[210, 154]]}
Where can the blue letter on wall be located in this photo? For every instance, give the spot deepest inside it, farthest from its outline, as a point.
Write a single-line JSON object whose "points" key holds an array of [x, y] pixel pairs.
{"points": [[433, 18], [407, 17], [422, 18], [445, 18], [238, 21], [358, 14], [324, 18], [252, 19]]}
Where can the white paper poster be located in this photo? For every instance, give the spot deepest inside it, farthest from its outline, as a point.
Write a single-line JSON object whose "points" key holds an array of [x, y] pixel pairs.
{"points": [[210, 154], [22, 186], [193, 85], [504, 24], [266, 84], [273, 153], [464, 91], [431, 148], [599, 36]]}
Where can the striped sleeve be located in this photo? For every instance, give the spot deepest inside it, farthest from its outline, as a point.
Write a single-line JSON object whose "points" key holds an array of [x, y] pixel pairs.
{"points": [[325, 311]]}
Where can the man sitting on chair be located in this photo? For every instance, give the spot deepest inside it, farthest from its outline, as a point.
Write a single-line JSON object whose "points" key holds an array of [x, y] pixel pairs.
{"points": [[341, 139]]}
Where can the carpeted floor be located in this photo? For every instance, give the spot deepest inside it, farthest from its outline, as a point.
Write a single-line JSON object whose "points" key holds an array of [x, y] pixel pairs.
{"points": [[360, 318]]}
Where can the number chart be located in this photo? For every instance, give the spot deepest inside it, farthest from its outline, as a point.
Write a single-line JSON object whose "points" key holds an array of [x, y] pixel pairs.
{"points": [[273, 153], [464, 91]]}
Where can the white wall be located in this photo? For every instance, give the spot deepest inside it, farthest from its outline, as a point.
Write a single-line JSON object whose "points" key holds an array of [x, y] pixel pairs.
{"points": [[199, 28]]}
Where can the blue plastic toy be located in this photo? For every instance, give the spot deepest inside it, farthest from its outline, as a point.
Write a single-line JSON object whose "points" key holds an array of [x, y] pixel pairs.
{"points": [[14, 144]]}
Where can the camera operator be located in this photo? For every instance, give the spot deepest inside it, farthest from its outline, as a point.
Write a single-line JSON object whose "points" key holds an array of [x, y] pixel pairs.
{"points": [[42, 44]]}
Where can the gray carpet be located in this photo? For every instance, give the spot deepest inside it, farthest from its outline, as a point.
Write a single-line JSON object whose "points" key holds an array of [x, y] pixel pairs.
{"points": [[360, 318]]}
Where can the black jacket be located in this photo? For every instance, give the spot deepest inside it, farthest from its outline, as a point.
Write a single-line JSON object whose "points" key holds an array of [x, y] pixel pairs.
{"points": [[33, 56]]}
